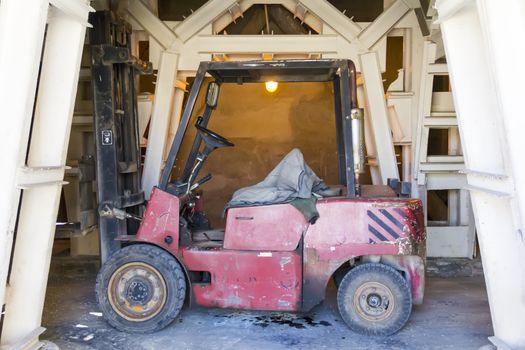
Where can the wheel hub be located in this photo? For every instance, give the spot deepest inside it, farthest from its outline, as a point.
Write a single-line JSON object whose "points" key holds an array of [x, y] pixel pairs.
{"points": [[374, 301], [137, 291]]}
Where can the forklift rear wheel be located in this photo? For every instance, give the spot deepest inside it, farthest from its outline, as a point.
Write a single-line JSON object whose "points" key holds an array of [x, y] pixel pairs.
{"points": [[374, 299], [141, 289]]}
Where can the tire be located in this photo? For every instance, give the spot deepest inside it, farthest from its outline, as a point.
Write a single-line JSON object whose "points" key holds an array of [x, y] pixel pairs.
{"points": [[374, 299], [339, 275], [141, 289]]}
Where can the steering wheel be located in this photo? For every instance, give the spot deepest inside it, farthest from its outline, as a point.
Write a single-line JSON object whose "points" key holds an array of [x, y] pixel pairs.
{"points": [[213, 139]]}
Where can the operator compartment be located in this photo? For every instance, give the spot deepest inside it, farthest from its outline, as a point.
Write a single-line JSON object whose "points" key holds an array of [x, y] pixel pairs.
{"points": [[276, 227]]}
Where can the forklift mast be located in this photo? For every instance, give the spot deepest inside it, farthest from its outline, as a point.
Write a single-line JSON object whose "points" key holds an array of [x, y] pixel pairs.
{"points": [[113, 71]]}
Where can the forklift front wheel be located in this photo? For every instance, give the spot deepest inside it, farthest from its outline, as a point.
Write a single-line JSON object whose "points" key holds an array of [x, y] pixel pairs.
{"points": [[374, 299], [141, 289]]}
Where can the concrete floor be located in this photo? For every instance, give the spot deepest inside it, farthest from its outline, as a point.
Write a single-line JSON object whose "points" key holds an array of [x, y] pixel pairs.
{"points": [[455, 315]]}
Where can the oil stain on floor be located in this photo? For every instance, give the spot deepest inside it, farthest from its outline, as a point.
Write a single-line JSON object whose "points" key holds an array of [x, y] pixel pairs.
{"points": [[455, 315]]}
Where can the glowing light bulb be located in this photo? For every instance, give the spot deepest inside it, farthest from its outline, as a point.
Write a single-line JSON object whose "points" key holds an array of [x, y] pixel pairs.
{"points": [[271, 86]]}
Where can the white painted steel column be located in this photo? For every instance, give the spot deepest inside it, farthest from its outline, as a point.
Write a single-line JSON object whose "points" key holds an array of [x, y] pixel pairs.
{"points": [[501, 26], [178, 101], [455, 205], [486, 82], [160, 120], [373, 85], [163, 104], [44, 172], [370, 143], [407, 162], [22, 25]]}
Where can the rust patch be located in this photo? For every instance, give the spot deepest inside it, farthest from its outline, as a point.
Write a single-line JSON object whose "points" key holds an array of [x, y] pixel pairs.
{"points": [[404, 245]]}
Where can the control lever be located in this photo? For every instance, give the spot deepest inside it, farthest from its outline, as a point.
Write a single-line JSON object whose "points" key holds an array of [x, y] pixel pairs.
{"points": [[188, 197], [201, 182]]}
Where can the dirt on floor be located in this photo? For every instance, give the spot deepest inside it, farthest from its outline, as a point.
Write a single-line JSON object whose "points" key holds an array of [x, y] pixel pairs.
{"points": [[455, 315]]}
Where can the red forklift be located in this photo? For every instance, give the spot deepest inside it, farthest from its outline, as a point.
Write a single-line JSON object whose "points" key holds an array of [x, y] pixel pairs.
{"points": [[270, 255]]}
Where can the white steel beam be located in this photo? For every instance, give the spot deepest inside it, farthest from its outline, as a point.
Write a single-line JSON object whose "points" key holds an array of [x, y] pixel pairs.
{"points": [[22, 26], [373, 85], [371, 71], [330, 15], [406, 161], [225, 19], [160, 119], [502, 256], [489, 105], [309, 18], [230, 44], [77, 9], [453, 207], [206, 14], [501, 26], [383, 23], [30, 342], [422, 110], [153, 25], [445, 181], [438, 68], [455, 204], [445, 159], [370, 144], [29, 177], [48, 148], [441, 167], [498, 184], [166, 81], [450, 114], [443, 122], [449, 8], [178, 101]]}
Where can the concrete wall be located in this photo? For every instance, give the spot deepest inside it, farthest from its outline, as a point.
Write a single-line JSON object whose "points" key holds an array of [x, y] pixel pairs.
{"points": [[264, 128]]}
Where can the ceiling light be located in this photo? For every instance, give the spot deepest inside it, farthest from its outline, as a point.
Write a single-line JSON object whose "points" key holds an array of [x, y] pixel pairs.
{"points": [[271, 86]]}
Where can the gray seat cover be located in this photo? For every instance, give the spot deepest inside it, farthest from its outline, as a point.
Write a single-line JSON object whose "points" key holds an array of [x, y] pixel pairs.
{"points": [[292, 178]]}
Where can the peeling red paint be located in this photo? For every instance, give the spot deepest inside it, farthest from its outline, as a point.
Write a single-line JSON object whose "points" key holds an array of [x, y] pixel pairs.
{"points": [[246, 279], [275, 227], [342, 232], [161, 220], [263, 263]]}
